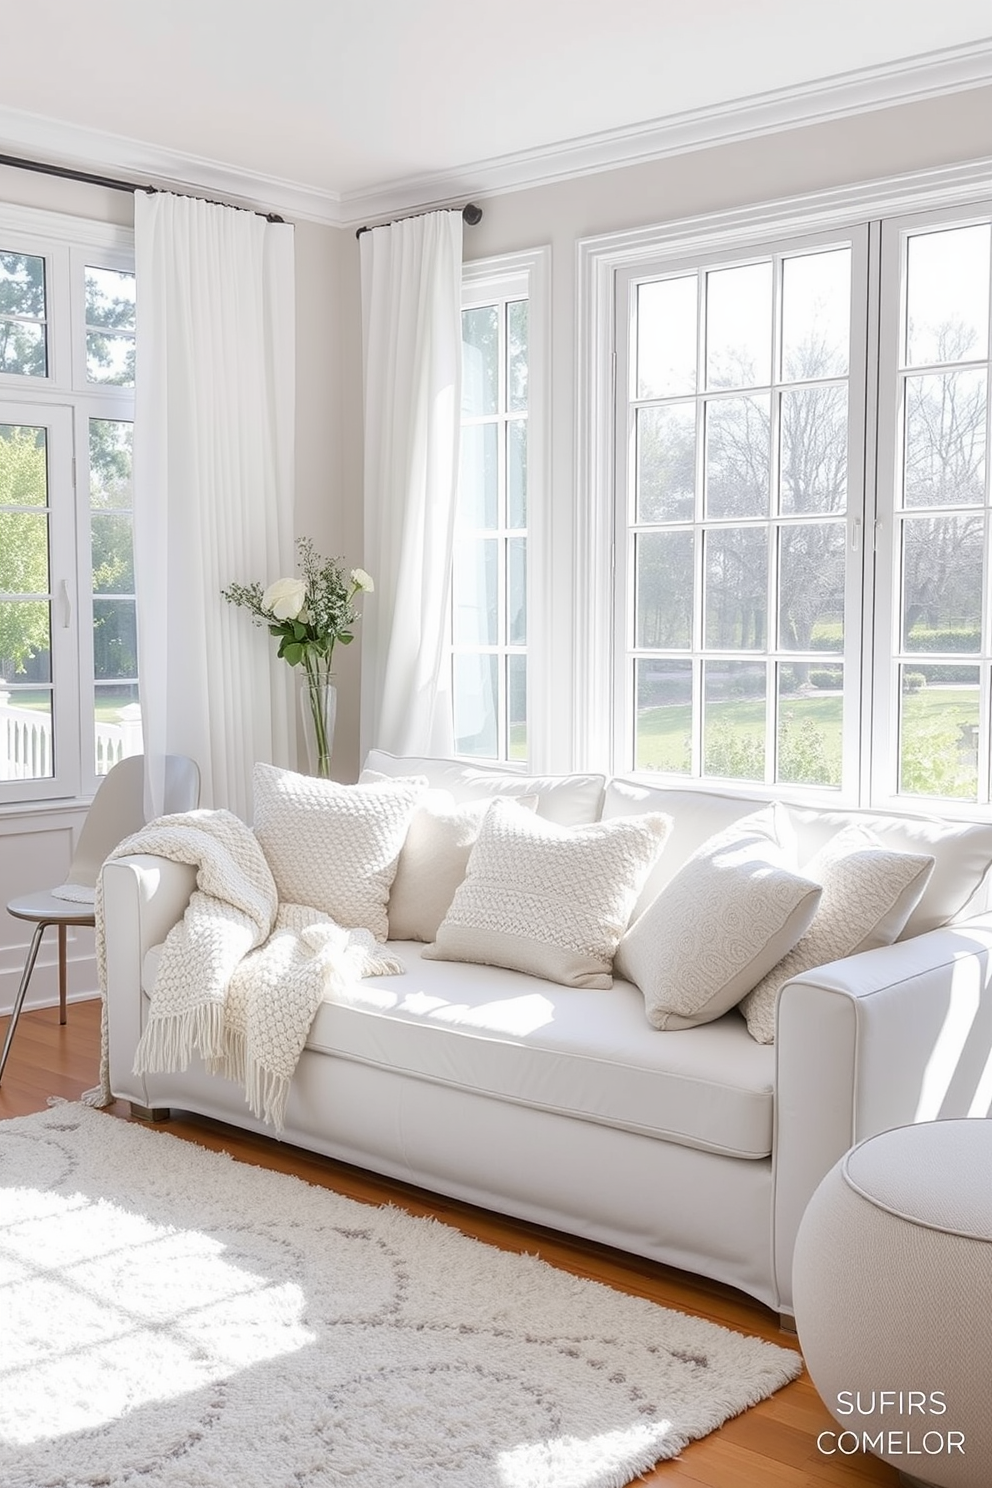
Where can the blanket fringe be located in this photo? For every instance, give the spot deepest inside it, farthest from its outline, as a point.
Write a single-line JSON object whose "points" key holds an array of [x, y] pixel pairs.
{"points": [[98, 1097], [171, 1039], [265, 1091]]}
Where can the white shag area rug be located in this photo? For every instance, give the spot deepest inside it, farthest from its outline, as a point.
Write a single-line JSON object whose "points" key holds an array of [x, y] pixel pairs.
{"points": [[171, 1318]]}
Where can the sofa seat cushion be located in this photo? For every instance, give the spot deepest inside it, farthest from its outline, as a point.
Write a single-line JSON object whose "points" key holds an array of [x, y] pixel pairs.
{"points": [[585, 1053]]}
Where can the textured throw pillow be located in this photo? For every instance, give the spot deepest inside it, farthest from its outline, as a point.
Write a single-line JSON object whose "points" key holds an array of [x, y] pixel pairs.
{"points": [[730, 913], [868, 895], [334, 847], [434, 860], [548, 899]]}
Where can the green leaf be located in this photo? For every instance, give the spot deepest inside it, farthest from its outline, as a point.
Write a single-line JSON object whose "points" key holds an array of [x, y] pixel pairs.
{"points": [[346, 638], [292, 652]]}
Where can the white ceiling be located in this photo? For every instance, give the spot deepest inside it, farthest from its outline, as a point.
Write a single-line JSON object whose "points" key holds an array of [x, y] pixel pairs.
{"points": [[339, 109]]}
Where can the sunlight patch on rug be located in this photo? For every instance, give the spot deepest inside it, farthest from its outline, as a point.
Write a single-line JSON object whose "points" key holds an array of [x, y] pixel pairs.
{"points": [[174, 1317]]}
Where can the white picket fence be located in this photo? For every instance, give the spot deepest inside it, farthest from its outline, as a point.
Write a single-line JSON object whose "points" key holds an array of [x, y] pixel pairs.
{"points": [[26, 741]]}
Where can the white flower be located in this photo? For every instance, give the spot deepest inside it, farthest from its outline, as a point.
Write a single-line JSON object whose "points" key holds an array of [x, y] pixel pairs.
{"points": [[285, 598], [362, 580]]}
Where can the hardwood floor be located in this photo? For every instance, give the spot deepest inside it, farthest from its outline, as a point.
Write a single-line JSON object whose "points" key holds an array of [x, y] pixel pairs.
{"points": [[771, 1446]]}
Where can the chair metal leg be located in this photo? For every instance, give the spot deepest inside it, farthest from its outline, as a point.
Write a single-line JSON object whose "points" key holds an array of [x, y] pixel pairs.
{"points": [[22, 989], [62, 973]]}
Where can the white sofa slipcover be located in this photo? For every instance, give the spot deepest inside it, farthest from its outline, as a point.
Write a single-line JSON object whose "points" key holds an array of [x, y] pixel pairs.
{"points": [[698, 1148]]}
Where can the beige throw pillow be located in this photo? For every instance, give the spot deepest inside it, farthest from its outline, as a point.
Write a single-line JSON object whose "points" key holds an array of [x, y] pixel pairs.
{"points": [[433, 862], [730, 913], [868, 895], [334, 847], [548, 899]]}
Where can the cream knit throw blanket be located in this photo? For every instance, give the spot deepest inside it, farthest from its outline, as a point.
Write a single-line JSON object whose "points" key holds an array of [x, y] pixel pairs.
{"points": [[241, 975]]}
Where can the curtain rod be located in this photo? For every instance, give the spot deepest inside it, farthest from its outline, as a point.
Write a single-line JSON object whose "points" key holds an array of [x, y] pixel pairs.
{"points": [[471, 214], [68, 174]]}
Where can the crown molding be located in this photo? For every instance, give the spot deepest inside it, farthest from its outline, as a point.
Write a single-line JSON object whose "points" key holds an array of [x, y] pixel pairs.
{"points": [[910, 80]]}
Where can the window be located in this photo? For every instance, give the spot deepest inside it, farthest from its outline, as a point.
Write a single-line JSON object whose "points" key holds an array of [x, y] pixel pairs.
{"points": [[491, 623], [734, 591], [68, 662], [934, 612], [799, 580]]}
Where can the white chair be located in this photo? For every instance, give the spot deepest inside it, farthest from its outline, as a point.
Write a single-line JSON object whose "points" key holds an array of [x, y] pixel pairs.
{"points": [[115, 812]]}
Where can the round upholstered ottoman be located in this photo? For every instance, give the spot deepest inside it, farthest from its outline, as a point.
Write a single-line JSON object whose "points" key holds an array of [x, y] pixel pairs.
{"points": [[892, 1286]]}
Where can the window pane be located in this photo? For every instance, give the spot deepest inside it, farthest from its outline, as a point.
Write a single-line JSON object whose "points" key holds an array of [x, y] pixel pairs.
{"points": [[516, 707], [739, 326], [663, 726], [938, 736], [110, 296], [810, 716], [516, 591], [516, 473], [737, 456], [664, 578], [475, 620], [517, 355], [23, 339], [25, 731], [813, 459], [110, 358], [478, 479], [23, 552], [23, 466], [666, 463], [22, 285], [816, 315], [945, 439], [113, 558], [115, 645], [942, 583], [25, 640], [476, 718], [480, 360], [948, 296], [22, 348], [736, 597], [666, 337], [734, 719], [111, 446], [116, 724], [811, 587]]}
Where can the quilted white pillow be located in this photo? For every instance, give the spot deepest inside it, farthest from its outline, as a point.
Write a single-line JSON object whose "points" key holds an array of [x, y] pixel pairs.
{"points": [[730, 913], [868, 895], [334, 847], [548, 899]]}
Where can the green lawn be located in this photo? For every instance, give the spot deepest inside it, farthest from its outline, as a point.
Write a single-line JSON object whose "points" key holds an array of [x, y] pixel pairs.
{"points": [[107, 709], [933, 719]]}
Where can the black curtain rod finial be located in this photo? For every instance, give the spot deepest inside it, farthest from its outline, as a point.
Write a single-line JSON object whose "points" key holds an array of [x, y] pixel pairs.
{"points": [[471, 215]]}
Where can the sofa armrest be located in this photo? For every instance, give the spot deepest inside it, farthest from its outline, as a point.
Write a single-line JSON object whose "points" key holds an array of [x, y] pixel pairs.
{"points": [[143, 897], [888, 1038]]}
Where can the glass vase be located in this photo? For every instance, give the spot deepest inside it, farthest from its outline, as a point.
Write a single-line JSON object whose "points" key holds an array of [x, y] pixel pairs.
{"points": [[318, 706]]}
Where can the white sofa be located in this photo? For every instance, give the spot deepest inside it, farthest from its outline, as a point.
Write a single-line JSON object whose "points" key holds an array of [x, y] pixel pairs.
{"points": [[560, 1105]]}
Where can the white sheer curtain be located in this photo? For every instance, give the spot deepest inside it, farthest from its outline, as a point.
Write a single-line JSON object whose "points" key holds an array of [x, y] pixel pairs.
{"points": [[213, 464], [411, 301]]}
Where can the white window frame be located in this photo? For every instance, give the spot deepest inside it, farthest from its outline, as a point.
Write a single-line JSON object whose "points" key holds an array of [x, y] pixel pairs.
{"points": [[525, 276], [67, 401], [600, 260]]}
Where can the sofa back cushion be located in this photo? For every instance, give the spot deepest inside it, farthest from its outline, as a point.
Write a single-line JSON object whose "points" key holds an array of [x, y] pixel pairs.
{"points": [[697, 815], [570, 800]]}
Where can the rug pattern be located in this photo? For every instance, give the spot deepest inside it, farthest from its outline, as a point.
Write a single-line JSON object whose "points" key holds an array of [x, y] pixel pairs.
{"points": [[175, 1319]]}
